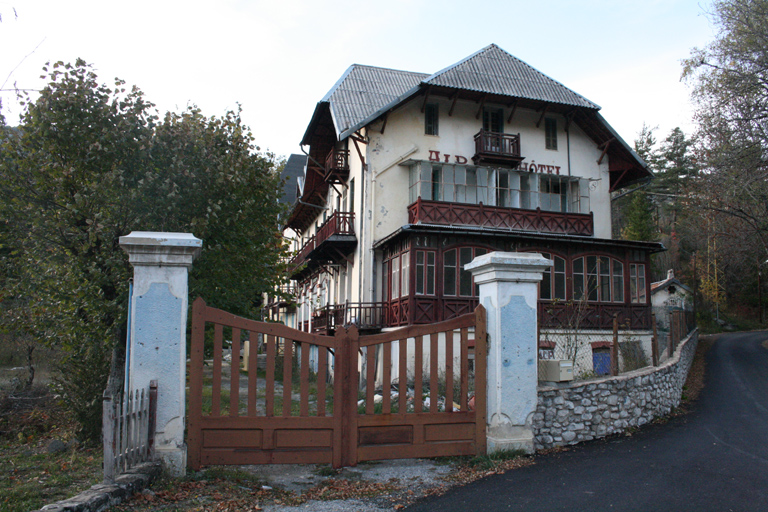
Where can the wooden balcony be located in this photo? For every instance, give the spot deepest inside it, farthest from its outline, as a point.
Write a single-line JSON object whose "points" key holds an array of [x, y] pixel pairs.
{"points": [[284, 296], [514, 219], [365, 315], [425, 310], [497, 148], [564, 315], [334, 240], [337, 166]]}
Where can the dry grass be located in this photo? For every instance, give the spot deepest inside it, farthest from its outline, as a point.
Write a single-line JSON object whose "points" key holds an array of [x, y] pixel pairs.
{"points": [[30, 477]]}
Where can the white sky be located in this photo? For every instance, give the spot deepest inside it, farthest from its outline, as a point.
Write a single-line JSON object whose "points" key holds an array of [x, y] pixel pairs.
{"points": [[278, 59]]}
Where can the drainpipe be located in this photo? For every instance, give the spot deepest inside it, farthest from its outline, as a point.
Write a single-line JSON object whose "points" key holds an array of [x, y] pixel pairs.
{"points": [[127, 382], [568, 145]]}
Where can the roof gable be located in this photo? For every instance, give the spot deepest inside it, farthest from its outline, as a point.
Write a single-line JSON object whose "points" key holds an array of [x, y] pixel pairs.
{"points": [[364, 90], [494, 71]]}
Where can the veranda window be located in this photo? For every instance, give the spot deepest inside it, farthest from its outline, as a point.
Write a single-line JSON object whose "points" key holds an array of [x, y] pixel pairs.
{"points": [[553, 281], [455, 277], [598, 279], [637, 283], [425, 272]]}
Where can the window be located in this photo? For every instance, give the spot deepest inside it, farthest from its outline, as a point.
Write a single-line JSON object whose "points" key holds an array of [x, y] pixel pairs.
{"points": [[395, 283], [430, 119], [425, 272], [455, 277], [600, 278], [493, 120], [579, 196], [553, 281], [449, 272], [552, 195], [497, 187], [637, 283], [437, 181], [550, 133], [405, 274]]}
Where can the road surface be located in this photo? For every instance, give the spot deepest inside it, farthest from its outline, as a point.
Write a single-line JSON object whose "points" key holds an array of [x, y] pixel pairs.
{"points": [[714, 458]]}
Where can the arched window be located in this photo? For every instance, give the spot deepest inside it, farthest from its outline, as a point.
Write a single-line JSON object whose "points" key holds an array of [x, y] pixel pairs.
{"points": [[553, 281], [598, 279]]}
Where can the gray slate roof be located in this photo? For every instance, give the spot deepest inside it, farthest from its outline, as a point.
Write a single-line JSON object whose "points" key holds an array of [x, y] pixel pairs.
{"points": [[365, 92], [293, 170], [494, 71]]}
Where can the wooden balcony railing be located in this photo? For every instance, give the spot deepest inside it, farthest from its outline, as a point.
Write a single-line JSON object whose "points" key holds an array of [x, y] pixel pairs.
{"points": [[365, 315], [566, 315], [498, 148], [337, 166], [284, 295], [517, 219], [424, 310], [340, 223]]}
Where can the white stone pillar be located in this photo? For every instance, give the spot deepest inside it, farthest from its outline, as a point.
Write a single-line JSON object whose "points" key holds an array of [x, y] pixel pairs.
{"points": [[509, 292], [158, 344]]}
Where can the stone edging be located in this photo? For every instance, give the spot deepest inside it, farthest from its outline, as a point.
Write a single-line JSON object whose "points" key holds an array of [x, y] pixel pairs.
{"points": [[572, 413], [102, 496]]}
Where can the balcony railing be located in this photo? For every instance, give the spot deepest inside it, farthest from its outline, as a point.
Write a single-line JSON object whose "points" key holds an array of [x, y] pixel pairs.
{"points": [[497, 148], [365, 315], [517, 219], [593, 316], [340, 223], [337, 166], [283, 296], [423, 310]]}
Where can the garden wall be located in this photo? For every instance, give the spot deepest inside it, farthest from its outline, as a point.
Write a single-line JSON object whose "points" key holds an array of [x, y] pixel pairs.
{"points": [[572, 413]]}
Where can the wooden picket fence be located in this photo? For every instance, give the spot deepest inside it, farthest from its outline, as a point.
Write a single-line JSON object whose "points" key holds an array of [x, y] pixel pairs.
{"points": [[128, 429]]}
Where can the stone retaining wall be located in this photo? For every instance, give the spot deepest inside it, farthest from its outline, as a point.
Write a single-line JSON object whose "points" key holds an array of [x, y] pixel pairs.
{"points": [[102, 496], [576, 412]]}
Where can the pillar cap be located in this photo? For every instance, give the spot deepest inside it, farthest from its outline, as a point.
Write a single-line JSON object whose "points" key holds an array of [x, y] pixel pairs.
{"points": [[161, 249], [508, 266]]}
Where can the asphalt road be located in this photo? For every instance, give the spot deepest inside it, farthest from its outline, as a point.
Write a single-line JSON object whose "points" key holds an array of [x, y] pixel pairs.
{"points": [[714, 458]]}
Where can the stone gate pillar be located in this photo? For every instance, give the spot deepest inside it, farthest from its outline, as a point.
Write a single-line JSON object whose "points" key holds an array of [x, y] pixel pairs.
{"points": [[509, 292], [158, 327]]}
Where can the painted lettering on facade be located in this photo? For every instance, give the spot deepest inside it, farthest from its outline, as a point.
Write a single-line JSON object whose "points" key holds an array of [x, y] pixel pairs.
{"points": [[435, 156]]}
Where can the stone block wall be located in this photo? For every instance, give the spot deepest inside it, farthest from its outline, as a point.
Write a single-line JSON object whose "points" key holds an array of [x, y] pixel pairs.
{"points": [[575, 412]]}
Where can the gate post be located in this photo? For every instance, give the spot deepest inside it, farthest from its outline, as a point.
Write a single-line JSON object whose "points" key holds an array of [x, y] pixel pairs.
{"points": [[509, 292], [158, 332]]}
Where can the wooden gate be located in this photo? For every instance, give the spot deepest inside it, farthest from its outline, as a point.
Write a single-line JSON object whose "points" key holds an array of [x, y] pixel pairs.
{"points": [[340, 399]]}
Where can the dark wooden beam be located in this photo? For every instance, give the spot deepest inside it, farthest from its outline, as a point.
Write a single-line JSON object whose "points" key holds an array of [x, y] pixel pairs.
{"points": [[426, 99], [342, 255], [618, 180], [605, 145], [513, 106], [569, 118], [543, 113], [482, 104], [358, 137], [359, 153], [453, 103], [384, 125]]}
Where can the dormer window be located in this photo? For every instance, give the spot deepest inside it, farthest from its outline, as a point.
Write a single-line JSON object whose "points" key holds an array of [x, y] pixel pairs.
{"points": [[431, 118]]}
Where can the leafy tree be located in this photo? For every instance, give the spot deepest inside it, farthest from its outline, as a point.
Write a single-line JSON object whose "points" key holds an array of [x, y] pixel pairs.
{"points": [[730, 77], [90, 163]]}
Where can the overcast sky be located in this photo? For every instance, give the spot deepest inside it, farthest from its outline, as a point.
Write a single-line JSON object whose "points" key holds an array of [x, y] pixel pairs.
{"points": [[279, 58]]}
